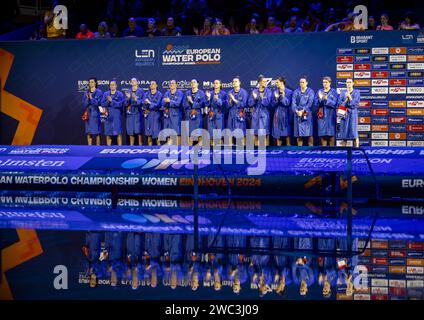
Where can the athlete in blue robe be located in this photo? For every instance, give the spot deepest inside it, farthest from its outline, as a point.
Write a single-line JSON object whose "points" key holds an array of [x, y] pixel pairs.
{"points": [[283, 115], [302, 101], [237, 102], [325, 105], [194, 104], [133, 100], [348, 128], [216, 103], [172, 106], [152, 100], [260, 101], [91, 101], [113, 101]]}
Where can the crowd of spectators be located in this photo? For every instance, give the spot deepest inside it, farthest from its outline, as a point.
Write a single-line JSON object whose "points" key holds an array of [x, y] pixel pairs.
{"points": [[137, 18]]}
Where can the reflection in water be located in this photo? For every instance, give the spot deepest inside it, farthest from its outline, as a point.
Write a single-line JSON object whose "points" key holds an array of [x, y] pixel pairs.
{"points": [[169, 260]]}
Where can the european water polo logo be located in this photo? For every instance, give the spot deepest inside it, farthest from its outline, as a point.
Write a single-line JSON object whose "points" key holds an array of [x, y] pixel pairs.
{"points": [[184, 55]]}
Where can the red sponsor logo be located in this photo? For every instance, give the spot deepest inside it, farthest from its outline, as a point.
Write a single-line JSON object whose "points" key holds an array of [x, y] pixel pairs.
{"points": [[380, 128], [397, 50], [380, 74], [397, 82], [362, 66], [397, 136], [380, 112], [397, 253], [416, 127], [397, 119], [382, 261], [364, 120], [379, 297], [344, 59], [365, 104], [416, 245], [396, 291]]}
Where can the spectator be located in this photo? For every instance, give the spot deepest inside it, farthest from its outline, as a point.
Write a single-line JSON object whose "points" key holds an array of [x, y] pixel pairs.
{"points": [[371, 23], [171, 29], [384, 19], [271, 27], [133, 29], [292, 25], [232, 26], [409, 22], [114, 30], [219, 29], [251, 27], [84, 33], [102, 32], [39, 33], [52, 32], [207, 28], [152, 30]]}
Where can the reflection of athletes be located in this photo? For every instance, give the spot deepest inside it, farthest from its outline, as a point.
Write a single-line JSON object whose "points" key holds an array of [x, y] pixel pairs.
{"points": [[114, 247], [347, 114], [302, 101], [325, 107]]}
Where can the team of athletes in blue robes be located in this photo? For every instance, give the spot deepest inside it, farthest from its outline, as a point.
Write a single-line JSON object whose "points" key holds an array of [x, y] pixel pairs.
{"points": [[151, 259], [281, 113]]}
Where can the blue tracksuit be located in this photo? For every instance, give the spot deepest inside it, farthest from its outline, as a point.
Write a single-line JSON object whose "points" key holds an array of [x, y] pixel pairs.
{"points": [[327, 124], [93, 240], [234, 108], [113, 124], [218, 106], [175, 107], [261, 110], [93, 125], [152, 123], [193, 112], [135, 246], [349, 124], [133, 120], [283, 115], [303, 101]]}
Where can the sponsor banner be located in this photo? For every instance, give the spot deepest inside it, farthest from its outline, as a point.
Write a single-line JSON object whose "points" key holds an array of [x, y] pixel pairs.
{"points": [[380, 50], [415, 144], [414, 270], [380, 128], [366, 112], [380, 74], [415, 128], [383, 104], [382, 59], [397, 136], [382, 90], [379, 136], [416, 74], [397, 74], [415, 50], [397, 82], [362, 66], [397, 283], [397, 119], [397, 112], [415, 82], [379, 244], [364, 260], [415, 90], [397, 90], [415, 262], [379, 143], [380, 112], [379, 290], [362, 83], [397, 58], [345, 51], [415, 254], [397, 291], [341, 83], [397, 262], [344, 75], [362, 51], [361, 90], [364, 120], [415, 120], [415, 66], [364, 127], [398, 50], [362, 58], [379, 282], [380, 82], [397, 66], [397, 104], [415, 245], [416, 58], [415, 283], [379, 297], [344, 59], [379, 120], [415, 136], [397, 269], [397, 143], [380, 66], [362, 74], [380, 269], [344, 67], [415, 104], [415, 112], [379, 253], [397, 253], [361, 296], [362, 143], [364, 104]]}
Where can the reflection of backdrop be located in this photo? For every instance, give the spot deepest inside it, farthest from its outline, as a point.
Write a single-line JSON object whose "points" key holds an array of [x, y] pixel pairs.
{"points": [[52, 74]]}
